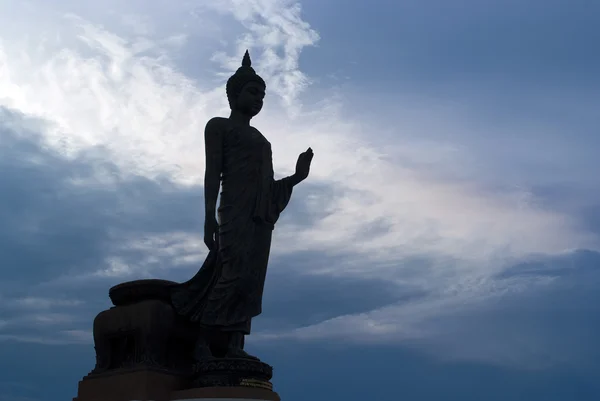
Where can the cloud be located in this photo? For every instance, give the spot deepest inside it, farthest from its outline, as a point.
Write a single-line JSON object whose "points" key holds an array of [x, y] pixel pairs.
{"points": [[136, 227], [149, 117], [106, 161], [66, 227], [278, 30], [537, 315], [75, 212]]}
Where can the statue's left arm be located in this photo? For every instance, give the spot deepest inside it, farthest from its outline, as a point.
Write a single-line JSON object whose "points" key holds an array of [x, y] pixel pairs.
{"points": [[282, 189], [281, 192]]}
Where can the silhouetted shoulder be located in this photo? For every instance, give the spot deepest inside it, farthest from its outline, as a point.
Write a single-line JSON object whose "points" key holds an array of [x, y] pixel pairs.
{"points": [[216, 125]]}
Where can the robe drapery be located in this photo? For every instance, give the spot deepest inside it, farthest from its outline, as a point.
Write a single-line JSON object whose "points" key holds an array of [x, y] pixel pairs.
{"points": [[227, 290]]}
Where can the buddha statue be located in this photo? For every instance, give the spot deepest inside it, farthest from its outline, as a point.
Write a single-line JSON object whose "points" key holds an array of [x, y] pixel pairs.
{"points": [[226, 293]]}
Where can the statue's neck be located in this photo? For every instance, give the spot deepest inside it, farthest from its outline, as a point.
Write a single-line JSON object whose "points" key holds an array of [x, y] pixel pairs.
{"points": [[239, 119]]}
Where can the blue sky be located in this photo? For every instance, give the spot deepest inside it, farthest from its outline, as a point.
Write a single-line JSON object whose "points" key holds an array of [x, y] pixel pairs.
{"points": [[445, 247]]}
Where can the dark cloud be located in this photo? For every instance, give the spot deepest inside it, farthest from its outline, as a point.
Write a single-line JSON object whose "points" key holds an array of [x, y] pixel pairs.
{"points": [[294, 300], [553, 324], [383, 373], [53, 227], [581, 265], [529, 42], [61, 223], [320, 372], [39, 372], [58, 216]]}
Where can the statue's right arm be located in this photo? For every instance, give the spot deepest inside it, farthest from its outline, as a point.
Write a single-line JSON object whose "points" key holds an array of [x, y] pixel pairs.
{"points": [[214, 157]]}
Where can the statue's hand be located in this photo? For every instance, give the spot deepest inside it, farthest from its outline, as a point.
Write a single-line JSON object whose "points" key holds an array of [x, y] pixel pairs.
{"points": [[303, 165], [211, 233]]}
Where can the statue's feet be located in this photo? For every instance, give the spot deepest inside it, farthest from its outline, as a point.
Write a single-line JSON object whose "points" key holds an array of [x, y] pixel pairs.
{"points": [[239, 353]]}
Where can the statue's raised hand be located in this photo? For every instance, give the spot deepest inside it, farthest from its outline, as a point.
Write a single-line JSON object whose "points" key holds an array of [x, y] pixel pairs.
{"points": [[303, 165]]}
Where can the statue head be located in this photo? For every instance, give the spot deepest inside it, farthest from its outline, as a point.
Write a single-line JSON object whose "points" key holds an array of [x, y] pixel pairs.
{"points": [[246, 89]]}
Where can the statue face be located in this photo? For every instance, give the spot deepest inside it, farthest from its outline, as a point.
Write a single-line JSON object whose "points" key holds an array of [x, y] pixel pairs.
{"points": [[250, 99]]}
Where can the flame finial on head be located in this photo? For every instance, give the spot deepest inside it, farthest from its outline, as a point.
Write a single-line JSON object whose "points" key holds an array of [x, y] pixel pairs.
{"points": [[246, 62]]}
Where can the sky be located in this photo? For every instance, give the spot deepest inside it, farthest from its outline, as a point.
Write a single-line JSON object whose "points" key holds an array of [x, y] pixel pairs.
{"points": [[446, 245]]}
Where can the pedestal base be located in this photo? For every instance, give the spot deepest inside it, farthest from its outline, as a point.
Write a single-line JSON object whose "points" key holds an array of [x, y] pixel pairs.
{"points": [[144, 352], [142, 384], [225, 394], [149, 385], [232, 372]]}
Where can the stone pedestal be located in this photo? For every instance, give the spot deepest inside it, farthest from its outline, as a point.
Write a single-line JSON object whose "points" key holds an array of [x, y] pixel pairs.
{"points": [[149, 385], [225, 394], [140, 384], [144, 353]]}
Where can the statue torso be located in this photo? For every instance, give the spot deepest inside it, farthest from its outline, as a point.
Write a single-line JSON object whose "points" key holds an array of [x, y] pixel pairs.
{"points": [[247, 171]]}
